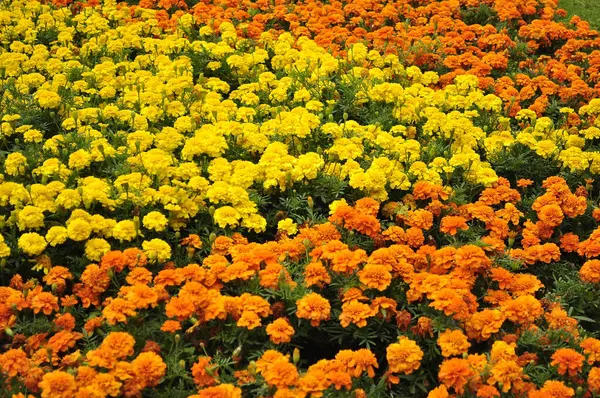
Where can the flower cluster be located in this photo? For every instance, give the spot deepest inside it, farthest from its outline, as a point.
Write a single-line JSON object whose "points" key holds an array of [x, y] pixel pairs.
{"points": [[298, 199]]}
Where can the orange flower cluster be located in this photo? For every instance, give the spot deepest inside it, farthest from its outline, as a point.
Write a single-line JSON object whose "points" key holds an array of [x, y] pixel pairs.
{"points": [[351, 273]]}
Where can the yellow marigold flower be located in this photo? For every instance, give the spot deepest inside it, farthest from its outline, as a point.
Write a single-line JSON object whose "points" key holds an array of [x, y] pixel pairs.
{"points": [[48, 99], [124, 230], [56, 235], [157, 250], [15, 164], [155, 220], [288, 226], [4, 249], [96, 248], [79, 230], [32, 244], [30, 217]]}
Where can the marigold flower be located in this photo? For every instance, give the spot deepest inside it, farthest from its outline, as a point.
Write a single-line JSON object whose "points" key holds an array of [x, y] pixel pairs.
{"points": [[280, 331], [14, 362], [204, 373], [354, 311], [522, 310], [455, 373], [404, 356], [375, 276], [567, 360], [453, 342], [148, 368], [554, 388], [451, 224], [313, 307], [506, 374], [58, 384], [593, 380], [590, 271]]}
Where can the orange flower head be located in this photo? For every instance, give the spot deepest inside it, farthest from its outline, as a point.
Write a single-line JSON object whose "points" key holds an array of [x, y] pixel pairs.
{"points": [[404, 356], [567, 360], [203, 373], [453, 342], [280, 331], [455, 373], [313, 307], [451, 224]]}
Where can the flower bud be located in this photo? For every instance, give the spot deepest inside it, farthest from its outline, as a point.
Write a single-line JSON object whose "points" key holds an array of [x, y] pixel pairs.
{"points": [[296, 356]]}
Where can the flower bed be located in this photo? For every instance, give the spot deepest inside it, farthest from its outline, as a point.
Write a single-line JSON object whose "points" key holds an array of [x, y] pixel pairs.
{"points": [[342, 199]]}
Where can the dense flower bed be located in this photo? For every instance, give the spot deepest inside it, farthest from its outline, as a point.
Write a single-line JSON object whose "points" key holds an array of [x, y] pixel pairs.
{"points": [[298, 199]]}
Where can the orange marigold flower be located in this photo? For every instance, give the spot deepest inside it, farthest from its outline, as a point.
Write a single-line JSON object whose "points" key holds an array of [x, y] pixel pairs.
{"points": [[506, 374], [523, 182], [221, 245], [367, 206], [590, 271], [365, 224], [558, 318], [180, 307], [364, 360], [422, 219], [113, 260], [192, 240], [453, 342], [65, 321], [134, 257], [438, 392], [554, 389], [281, 373], [203, 372], [354, 311], [142, 296], [139, 276], [395, 234], [451, 224], [171, 326], [473, 258], [14, 362], [593, 380], [314, 307], [117, 310], [220, 391], [487, 392], [148, 368], [455, 373], [414, 237], [404, 356], [58, 384], [522, 310], [44, 302], [596, 214], [502, 351], [315, 273], [569, 242], [280, 331], [591, 347], [375, 276], [551, 215], [567, 360]]}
